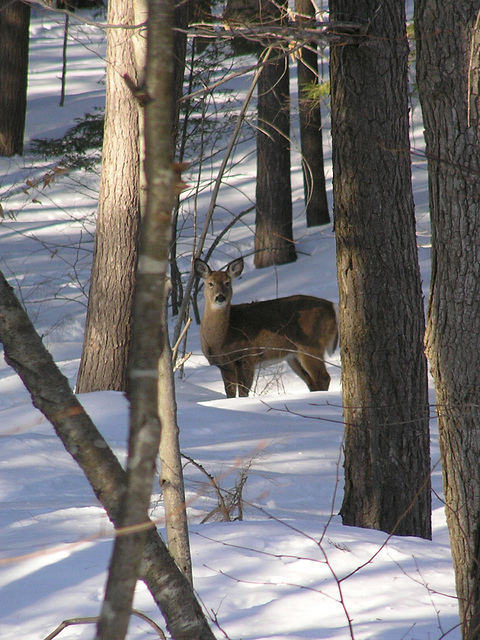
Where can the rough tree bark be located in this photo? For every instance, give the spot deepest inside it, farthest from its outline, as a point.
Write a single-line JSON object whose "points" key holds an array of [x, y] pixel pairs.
{"points": [[51, 394], [311, 137], [273, 220], [448, 67], [387, 461], [273, 194], [14, 35], [108, 326]]}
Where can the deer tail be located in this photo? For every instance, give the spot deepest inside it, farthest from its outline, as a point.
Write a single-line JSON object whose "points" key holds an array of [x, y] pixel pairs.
{"points": [[333, 342]]}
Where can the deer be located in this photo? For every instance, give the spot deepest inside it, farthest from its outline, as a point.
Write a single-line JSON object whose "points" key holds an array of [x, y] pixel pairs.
{"points": [[237, 338]]}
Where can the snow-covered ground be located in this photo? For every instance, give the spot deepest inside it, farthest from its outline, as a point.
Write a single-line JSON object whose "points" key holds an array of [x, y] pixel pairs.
{"points": [[289, 569]]}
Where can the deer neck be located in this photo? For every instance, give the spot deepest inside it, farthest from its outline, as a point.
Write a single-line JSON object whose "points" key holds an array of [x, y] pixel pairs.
{"points": [[214, 327]]}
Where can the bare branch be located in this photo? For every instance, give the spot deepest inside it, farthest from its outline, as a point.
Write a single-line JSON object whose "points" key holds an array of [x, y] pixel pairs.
{"points": [[93, 619]]}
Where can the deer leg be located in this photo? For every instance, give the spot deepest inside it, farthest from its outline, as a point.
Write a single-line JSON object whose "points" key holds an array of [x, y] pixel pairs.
{"points": [[300, 371], [245, 374], [315, 367], [229, 375]]}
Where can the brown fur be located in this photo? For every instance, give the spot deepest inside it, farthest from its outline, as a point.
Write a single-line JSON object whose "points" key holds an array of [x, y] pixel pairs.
{"points": [[238, 338]]}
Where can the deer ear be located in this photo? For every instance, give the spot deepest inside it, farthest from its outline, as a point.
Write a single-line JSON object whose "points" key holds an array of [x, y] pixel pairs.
{"points": [[235, 267], [201, 268]]}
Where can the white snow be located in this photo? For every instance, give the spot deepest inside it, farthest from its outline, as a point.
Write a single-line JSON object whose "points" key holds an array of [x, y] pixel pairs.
{"points": [[289, 569]]}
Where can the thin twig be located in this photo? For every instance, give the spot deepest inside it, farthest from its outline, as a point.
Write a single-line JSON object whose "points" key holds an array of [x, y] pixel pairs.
{"points": [[213, 200], [222, 507], [94, 620]]}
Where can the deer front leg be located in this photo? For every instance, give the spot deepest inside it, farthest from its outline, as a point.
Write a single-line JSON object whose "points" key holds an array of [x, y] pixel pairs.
{"points": [[245, 374], [229, 375]]}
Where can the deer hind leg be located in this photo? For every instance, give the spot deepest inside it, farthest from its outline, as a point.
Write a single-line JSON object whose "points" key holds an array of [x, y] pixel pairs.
{"points": [[300, 371], [312, 370]]}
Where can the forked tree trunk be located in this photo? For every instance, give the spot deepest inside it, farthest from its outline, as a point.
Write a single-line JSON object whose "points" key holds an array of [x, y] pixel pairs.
{"points": [[160, 184], [108, 326], [51, 394], [149, 338], [311, 137], [448, 67], [14, 35], [387, 462]]}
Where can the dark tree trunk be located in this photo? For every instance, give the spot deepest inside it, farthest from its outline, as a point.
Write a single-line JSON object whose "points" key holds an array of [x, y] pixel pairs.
{"points": [[387, 461], [183, 12], [108, 326], [448, 67], [14, 35], [273, 222], [311, 137]]}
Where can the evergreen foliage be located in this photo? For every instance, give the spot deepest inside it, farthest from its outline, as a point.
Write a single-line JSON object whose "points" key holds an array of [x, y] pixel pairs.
{"points": [[80, 147]]}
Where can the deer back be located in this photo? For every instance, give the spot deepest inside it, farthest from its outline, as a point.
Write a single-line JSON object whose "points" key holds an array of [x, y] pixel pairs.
{"points": [[274, 328]]}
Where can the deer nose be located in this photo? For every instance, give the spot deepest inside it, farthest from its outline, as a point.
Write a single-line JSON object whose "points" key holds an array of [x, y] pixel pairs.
{"points": [[220, 298]]}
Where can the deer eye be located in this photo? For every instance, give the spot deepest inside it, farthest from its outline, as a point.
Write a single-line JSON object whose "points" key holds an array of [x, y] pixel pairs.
{"points": [[210, 284], [227, 284]]}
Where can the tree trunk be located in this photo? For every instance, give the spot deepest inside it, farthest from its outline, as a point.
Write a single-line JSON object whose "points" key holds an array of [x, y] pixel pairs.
{"points": [[51, 394], [387, 462], [14, 35], [273, 222], [157, 140], [171, 474], [311, 137], [149, 339], [448, 66], [108, 326], [183, 10]]}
